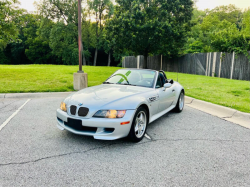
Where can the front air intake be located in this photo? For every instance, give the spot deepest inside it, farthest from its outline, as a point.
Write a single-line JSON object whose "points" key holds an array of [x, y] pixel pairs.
{"points": [[73, 109], [83, 111]]}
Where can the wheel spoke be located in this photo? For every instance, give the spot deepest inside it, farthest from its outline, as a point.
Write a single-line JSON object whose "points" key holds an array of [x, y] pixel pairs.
{"points": [[140, 124], [141, 118], [136, 128]]}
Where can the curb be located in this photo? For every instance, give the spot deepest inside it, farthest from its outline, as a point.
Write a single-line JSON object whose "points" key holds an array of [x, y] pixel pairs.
{"points": [[35, 95], [225, 113]]}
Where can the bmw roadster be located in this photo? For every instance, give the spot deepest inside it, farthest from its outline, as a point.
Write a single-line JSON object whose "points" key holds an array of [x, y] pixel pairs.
{"points": [[122, 106]]}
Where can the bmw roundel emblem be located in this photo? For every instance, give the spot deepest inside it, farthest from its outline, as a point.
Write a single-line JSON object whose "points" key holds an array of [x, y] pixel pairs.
{"points": [[80, 104]]}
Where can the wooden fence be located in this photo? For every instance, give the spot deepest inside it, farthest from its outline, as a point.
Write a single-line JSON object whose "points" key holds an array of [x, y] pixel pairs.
{"points": [[216, 64]]}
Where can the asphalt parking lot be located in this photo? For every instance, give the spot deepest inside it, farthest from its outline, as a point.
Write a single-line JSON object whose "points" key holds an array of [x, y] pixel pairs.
{"points": [[187, 149]]}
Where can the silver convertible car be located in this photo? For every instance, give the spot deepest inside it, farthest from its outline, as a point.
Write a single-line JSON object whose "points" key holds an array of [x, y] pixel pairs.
{"points": [[122, 106]]}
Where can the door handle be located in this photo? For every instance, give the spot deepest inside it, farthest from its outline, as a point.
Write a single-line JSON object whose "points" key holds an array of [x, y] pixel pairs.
{"points": [[173, 90]]}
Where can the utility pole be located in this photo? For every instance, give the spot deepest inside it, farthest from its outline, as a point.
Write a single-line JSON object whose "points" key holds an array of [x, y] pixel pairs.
{"points": [[80, 35], [80, 78]]}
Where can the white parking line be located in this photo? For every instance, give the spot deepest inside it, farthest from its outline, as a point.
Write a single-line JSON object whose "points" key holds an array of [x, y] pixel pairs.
{"points": [[13, 115], [147, 136]]}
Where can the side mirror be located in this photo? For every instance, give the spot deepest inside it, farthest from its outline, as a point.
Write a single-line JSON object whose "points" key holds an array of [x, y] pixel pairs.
{"points": [[167, 85]]}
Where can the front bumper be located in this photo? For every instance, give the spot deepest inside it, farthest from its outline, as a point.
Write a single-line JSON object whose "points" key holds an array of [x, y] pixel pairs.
{"points": [[101, 125]]}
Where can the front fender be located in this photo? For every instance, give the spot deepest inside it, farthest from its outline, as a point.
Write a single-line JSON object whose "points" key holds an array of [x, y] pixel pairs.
{"points": [[178, 89]]}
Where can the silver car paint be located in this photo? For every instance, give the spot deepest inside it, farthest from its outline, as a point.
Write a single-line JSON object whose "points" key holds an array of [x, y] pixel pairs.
{"points": [[120, 97]]}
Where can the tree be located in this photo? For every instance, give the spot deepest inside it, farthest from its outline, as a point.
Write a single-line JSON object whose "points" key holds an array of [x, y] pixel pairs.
{"points": [[106, 44], [229, 13], [26, 28], [102, 9], [63, 44], [231, 40], [37, 47], [88, 38], [9, 15], [150, 26], [66, 12], [59, 10], [196, 40], [246, 22], [206, 23]]}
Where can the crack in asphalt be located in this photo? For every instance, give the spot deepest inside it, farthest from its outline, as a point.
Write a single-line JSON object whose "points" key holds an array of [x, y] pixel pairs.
{"points": [[127, 145], [54, 156], [15, 108], [8, 104], [190, 102], [231, 115], [4, 95], [12, 109], [209, 140], [2, 100]]}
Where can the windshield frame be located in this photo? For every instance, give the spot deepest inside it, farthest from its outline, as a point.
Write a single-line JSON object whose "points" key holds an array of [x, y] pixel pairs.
{"points": [[154, 80]]}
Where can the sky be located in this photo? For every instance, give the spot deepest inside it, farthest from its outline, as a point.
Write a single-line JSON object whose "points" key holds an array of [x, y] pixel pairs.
{"points": [[27, 4], [201, 4], [210, 4]]}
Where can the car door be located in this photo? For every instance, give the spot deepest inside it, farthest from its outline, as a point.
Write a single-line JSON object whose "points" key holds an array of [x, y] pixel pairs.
{"points": [[166, 96]]}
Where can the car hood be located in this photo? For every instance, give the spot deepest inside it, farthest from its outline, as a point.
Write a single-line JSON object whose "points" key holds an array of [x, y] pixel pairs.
{"points": [[99, 96]]}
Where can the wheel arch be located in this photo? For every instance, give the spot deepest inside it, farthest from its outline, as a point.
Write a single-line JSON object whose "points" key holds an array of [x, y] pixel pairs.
{"points": [[147, 109], [178, 89]]}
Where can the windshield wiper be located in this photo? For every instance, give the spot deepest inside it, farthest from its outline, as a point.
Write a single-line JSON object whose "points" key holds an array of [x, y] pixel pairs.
{"points": [[107, 83]]}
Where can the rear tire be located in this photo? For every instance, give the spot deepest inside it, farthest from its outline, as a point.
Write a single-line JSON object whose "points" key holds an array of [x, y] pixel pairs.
{"points": [[180, 103], [139, 125]]}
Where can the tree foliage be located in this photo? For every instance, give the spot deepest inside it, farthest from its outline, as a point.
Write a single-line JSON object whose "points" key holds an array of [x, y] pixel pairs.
{"points": [[246, 22], [127, 27], [63, 42], [9, 21], [59, 10], [231, 40], [150, 27], [101, 10], [224, 28]]}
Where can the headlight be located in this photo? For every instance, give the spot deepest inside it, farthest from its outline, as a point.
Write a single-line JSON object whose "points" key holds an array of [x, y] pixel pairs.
{"points": [[63, 107], [110, 114]]}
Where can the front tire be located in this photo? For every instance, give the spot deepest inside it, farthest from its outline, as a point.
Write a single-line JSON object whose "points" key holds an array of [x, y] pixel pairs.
{"points": [[180, 104], [139, 125]]}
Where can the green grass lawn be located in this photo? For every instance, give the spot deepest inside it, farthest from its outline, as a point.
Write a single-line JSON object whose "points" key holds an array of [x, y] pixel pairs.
{"points": [[55, 78], [226, 92], [47, 78]]}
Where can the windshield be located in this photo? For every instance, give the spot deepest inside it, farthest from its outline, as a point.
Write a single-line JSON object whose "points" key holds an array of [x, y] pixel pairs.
{"points": [[143, 78]]}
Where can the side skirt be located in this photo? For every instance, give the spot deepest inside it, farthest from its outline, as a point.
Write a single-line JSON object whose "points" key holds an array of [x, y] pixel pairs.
{"points": [[156, 116]]}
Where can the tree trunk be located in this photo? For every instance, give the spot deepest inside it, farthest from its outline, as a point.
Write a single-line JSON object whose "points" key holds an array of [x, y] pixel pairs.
{"points": [[95, 59], [109, 59], [145, 64]]}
